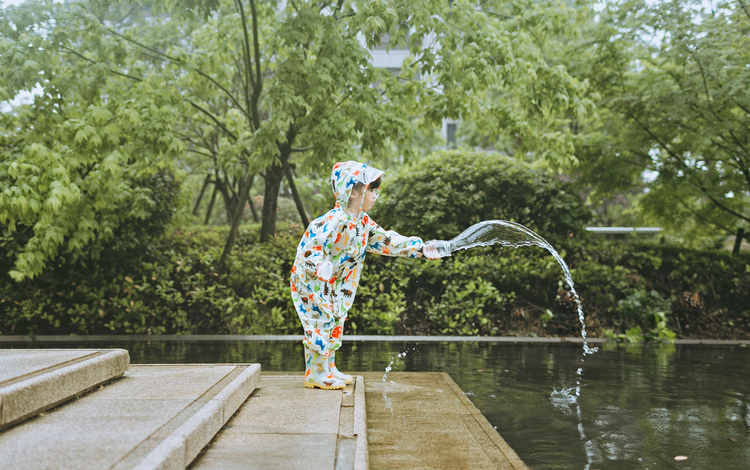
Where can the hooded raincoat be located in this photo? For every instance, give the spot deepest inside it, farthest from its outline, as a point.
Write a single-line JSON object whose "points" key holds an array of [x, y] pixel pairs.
{"points": [[343, 240]]}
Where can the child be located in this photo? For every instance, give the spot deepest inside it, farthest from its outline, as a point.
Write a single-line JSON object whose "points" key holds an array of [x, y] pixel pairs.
{"points": [[328, 265]]}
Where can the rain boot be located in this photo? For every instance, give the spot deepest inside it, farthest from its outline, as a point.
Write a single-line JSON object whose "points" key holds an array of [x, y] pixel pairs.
{"points": [[335, 371], [317, 373]]}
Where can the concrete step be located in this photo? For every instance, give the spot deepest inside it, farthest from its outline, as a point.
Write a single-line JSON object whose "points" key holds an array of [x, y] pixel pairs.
{"points": [[284, 425], [155, 416], [32, 381]]}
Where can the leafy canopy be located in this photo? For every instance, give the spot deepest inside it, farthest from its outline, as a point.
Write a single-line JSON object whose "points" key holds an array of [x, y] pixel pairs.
{"points": [[72, 162], [673, 80], [243, 87]]}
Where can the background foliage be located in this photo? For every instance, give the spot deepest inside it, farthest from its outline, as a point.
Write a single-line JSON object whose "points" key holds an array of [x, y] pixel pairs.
{"points": [[140, 112], [174, 289], [629, 291]]}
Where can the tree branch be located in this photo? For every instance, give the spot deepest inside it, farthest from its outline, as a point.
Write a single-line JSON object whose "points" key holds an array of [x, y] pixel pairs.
{"points": [[723, 207], [71, 51], [681, 162], [259, 86], [747, 111], [698, 216], [705, 87], [199, 152], [213, 118], [249, 96], [744, 8], [181, 62]]}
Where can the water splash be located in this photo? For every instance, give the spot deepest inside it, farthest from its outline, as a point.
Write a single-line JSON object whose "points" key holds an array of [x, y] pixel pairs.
{"points": [[564, 396], [389, 367], [511, 234]]}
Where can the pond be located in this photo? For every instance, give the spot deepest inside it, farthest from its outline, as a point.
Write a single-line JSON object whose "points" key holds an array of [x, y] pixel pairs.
{"points": [[639, 406]]}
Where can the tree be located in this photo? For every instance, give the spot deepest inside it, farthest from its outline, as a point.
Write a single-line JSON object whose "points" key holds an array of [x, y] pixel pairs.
{"points": [[74, 161], [673, 78], [255, 87]]}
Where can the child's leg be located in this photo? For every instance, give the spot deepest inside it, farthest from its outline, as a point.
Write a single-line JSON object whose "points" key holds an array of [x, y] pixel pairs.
{"points": [[335, 371], [315, 312], [337, 336], [317, 373], [318, 341]]}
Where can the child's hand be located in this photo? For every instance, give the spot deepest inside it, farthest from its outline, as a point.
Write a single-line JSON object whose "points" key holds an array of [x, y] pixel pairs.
{"points": [[324, 271], [430, 251]]}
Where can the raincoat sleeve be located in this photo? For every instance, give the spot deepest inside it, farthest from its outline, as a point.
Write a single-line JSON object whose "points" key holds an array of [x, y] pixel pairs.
{"points": [[390, 243]]}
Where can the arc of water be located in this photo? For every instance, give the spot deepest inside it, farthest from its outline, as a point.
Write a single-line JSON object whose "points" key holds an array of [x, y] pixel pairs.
{"points": [[511, 234]]}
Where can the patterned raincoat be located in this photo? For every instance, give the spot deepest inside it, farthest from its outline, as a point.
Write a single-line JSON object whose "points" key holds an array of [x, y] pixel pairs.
{"points": [[343, 240]]}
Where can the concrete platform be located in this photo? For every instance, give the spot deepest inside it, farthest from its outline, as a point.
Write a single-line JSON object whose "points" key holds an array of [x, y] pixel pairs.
{"points": [[153, 417], [413, 420], [423, 420], [284, 425], [32, 381], [225, 416]]}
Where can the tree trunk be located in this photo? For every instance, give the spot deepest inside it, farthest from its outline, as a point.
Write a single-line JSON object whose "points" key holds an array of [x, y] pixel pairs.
{"points": [[274, 174], [252, 208], [738, 241], [200, 196], [295, 194], [246, 182], [210, 208]]}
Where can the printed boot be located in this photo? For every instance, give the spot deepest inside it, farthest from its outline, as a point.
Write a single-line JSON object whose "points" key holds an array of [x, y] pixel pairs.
{"points": [[317, 374], [335, 371]]}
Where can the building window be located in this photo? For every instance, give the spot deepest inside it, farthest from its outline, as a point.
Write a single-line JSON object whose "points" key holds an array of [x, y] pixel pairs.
{"points": [[450, 134]]}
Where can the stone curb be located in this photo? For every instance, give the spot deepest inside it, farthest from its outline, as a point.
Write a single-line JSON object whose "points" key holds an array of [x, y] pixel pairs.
{"points": [[361, 455], [510, 455], [27, 397], [179, 449]]}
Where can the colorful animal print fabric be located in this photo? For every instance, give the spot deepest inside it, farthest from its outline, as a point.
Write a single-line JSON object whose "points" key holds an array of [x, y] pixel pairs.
{"points": [[343, 240]]}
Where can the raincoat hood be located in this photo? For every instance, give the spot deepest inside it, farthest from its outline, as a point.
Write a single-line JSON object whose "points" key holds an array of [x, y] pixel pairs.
{"points": [[346, 174]]}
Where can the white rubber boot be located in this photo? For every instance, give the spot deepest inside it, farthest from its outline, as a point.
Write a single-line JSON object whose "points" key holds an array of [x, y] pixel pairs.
{"points": [[335, 371], [317, 373]]}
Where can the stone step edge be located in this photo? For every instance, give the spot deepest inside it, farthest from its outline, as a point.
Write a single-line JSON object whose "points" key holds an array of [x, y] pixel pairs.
{"points": [[362, 455], [24, 399], [181, 447]]}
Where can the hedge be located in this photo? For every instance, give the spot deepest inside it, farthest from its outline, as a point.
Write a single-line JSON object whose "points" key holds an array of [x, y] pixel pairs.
{"points": [[173, 288]]}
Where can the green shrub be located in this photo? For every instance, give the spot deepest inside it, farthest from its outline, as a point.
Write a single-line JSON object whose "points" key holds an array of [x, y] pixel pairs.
{"points": [[629, 292], [443, 194]]}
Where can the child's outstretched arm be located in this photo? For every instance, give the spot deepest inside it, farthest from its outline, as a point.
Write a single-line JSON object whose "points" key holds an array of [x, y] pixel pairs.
{"points": [[390, 243]]}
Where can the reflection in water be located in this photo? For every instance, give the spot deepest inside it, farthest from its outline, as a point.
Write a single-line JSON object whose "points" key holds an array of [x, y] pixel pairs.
{"points": [[644, 405]]}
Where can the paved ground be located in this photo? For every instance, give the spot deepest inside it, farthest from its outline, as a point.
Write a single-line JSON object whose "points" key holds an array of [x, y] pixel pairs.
{"points": [[414, 420], [153, 415], [226, 416], [32, 381], [423, 420], [284, 425]]}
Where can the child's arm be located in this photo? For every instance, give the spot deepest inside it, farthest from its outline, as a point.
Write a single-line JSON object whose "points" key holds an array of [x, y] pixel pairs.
{"points": [[390, 243]]}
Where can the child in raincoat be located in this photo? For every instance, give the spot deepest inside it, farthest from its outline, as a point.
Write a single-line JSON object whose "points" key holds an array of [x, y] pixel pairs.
{"points": [[328, 266]]}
